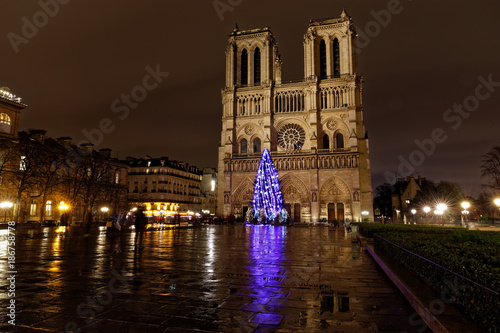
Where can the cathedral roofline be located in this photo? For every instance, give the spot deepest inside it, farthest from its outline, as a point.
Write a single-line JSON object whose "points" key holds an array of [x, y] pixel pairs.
{"points": [[332, 20], [237, 32]]}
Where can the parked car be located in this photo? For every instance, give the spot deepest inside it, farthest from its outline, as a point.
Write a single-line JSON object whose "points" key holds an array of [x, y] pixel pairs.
{"points": [[50, 223], [32, 223]]}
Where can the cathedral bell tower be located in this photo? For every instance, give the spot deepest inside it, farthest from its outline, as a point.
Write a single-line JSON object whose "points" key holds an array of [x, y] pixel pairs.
{"points": [[313, 129]]}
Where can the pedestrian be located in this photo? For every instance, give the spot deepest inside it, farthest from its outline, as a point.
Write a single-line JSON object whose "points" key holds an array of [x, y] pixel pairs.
{"points": [[120, 220], [140, 220], [348, 225]]}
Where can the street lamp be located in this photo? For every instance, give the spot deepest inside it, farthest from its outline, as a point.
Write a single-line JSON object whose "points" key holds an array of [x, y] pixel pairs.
{"points": [[414, 211], [104, 210], [497, 202], [440, 208], [6, 205], [63, 208], [465, 212], [427, 209]]}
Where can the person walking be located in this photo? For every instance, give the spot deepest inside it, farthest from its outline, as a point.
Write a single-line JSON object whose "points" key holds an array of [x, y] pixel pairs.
{"points": [[140, 224]]}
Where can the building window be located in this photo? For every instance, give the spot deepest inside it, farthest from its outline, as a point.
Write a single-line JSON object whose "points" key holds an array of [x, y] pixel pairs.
{"points": [[48, 208], [256, 145], [22, 164], [244, 149], [322, 59], [4, 119], [244, 67], [256, 66], [33, 209], [117, 178], [340, 140], [326, 141], [336, 58]]}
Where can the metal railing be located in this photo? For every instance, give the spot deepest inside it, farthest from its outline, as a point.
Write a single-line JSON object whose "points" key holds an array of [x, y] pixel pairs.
{"points": [[463, 291]]}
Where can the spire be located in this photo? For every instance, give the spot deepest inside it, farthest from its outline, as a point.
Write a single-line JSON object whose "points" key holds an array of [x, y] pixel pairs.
{"points": [[344, 14], [236, 28]]}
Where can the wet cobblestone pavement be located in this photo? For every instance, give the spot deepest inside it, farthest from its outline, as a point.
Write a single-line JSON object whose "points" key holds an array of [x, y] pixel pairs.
{"points": [[211, 278]]}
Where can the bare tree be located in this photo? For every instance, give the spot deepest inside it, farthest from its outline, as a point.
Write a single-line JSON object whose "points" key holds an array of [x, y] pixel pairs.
{"points": [[490, 168]]}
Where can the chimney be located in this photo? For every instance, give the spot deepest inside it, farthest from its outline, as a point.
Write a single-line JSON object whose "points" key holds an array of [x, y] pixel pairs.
{"points": [[87, 147], [105, 152], [64, 141], [37, 134]]}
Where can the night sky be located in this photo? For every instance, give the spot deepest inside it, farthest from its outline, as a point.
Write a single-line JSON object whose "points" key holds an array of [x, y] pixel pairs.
{"points": [[426, 59]]}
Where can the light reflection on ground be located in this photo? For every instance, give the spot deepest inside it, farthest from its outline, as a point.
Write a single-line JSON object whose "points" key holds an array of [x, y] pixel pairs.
{"points": [[211, 278]]}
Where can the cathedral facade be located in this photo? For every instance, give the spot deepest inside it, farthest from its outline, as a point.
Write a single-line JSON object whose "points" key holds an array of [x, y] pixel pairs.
{"points": [[313, 128]]}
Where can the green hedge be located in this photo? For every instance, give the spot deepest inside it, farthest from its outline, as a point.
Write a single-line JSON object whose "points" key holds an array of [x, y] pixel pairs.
{"points": [[472, 254]]}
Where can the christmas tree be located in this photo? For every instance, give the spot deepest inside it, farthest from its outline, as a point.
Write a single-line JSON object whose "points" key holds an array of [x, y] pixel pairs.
{"points": [[267, 200]]}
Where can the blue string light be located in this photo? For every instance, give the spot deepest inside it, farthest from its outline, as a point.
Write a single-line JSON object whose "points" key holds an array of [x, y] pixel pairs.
{"points": [[267, 199]]}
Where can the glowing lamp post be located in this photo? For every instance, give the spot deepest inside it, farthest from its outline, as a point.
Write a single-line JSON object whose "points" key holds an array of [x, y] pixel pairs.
{"points": [[427, 209], [413, 211], [465, 205], [104, 210], [6, 205], [63, 208], [497, 202], [440, 209]]}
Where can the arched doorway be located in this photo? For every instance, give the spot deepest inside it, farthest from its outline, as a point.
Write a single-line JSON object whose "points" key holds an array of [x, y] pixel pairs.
{"points": [[335, 200], [241, 198], [296, 198]]}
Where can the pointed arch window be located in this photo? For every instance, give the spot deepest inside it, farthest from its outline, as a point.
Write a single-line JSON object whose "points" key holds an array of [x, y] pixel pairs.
{"points": [[340, 140], [244, 67], [322, 59], [326, 141], [256, 66], [256, 145], [243, 146], [336, 58]]}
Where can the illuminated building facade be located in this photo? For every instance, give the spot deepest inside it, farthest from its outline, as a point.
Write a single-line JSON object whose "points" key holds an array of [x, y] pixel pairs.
{"points": [[42, 178], [313, 129], [164, 187], [209, 191], [10, 110]]}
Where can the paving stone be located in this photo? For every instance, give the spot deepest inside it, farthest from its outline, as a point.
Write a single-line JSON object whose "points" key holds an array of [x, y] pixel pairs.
{"points": [[207, 279]]}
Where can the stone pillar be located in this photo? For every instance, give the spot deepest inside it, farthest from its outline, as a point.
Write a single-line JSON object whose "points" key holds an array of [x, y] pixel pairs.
{"points": [[329, 58]]}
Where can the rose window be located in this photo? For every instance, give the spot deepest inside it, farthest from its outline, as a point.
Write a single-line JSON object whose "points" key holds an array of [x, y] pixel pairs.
{"points": [[291, 137]]}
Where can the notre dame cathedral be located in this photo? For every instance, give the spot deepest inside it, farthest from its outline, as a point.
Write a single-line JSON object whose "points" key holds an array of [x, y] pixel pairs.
{"points": [[313, 128]]}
